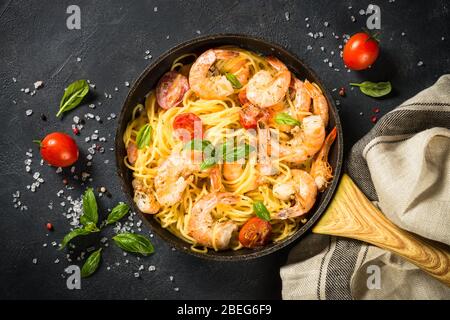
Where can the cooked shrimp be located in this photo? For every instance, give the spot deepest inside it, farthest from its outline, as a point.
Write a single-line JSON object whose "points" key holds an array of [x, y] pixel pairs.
{"points": [[265, 89], [215, 179], [320, 105], [306, 142], [301, 101], [208, 86], [173, 176], [132, 152], [321, 170], [265, 165], [300, 188], [204, 229], [144, 198], [232, 170]]}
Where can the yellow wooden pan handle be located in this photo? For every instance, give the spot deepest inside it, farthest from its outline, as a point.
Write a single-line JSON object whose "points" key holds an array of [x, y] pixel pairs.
{"points": [[351, 215]]}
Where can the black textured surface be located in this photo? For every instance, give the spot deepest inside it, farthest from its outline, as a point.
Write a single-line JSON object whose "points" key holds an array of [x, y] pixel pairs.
{"points": [[36, 45]]}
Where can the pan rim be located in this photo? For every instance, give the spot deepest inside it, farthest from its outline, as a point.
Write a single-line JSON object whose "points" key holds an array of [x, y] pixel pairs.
{"points": [[239, 39]]}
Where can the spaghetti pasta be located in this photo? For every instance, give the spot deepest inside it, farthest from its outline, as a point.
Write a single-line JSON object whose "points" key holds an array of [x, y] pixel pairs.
{"points": [[221, 121]]}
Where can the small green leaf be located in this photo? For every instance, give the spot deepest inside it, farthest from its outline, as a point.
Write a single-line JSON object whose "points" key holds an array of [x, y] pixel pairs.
{"points": [[208, 163], [90, 211], [240, 152], [73, 234], [135, 243], [197, 144], [73, 96], [374, 89], [234, 81], [261, 210], [91, 264], [117, 213], [284, 118], [144, 136]]}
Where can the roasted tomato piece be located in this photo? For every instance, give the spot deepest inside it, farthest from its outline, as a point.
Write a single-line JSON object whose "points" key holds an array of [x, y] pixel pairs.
{"points": [[171, 89], [249, 116], [188, 126], [255, 233]]}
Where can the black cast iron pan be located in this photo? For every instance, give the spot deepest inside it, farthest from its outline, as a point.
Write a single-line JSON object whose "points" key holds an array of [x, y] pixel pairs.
{"points": [[148, 80]]}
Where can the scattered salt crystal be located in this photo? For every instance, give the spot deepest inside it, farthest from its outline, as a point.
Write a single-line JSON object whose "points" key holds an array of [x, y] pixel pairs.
{"points": [[141, 267], [35, 260], [198, 32], [151, 268], [155, 9], [27, 90], [127, 84], [92, 106], [57, 260], [176, 289], [403, 34], [420, 63], [136, 274], [147, 51], [38, 84], [29, 112], [306, 19], [78, 59], [116, 89], [353, 18], [326, 23], [171, 278], [14, 80], [308, 47], [362, 12], [443, 38], [286, 15]]}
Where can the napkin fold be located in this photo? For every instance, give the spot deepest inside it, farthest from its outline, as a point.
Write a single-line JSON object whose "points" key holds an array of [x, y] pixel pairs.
{"points": [[403, 166]]}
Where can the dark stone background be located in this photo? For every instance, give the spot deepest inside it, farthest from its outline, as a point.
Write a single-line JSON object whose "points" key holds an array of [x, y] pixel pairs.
{"points": [[36, 45]]}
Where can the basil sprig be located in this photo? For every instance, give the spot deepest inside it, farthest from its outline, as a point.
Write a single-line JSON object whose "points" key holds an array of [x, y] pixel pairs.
{"points": [[73, 96], [233, 80], [284, 118], [261, 211], [374, 89], [91, 264], [117, 213], [144, 136], [134, 243], [73, 234], [197, 144], [237, 153], [90, 210]]}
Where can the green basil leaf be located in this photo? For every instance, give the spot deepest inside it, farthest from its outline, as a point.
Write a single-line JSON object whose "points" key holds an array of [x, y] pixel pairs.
{"points": [[374, 89], [234, 81], [144, 136], [90, 211], [91, 227], [73, 96], [240, 152], [73, 234], [135, 243], [208, 163], [117, 213], [91, 264], [284, 118], [197, 144], [261, 210]]}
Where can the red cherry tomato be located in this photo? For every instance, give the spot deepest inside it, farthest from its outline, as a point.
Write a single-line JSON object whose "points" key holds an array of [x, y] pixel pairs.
{"points": [[188, 126], [249, 116], [255, 233], [59, 149], [360, 51], [171, 89]]}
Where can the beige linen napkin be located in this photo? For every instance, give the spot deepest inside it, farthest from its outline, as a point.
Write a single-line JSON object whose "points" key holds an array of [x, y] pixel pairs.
{"points": [[403, 166]]}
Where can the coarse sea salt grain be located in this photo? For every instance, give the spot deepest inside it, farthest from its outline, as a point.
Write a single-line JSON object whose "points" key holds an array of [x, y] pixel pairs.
{"points": [[286, 16], [29, 112]]}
